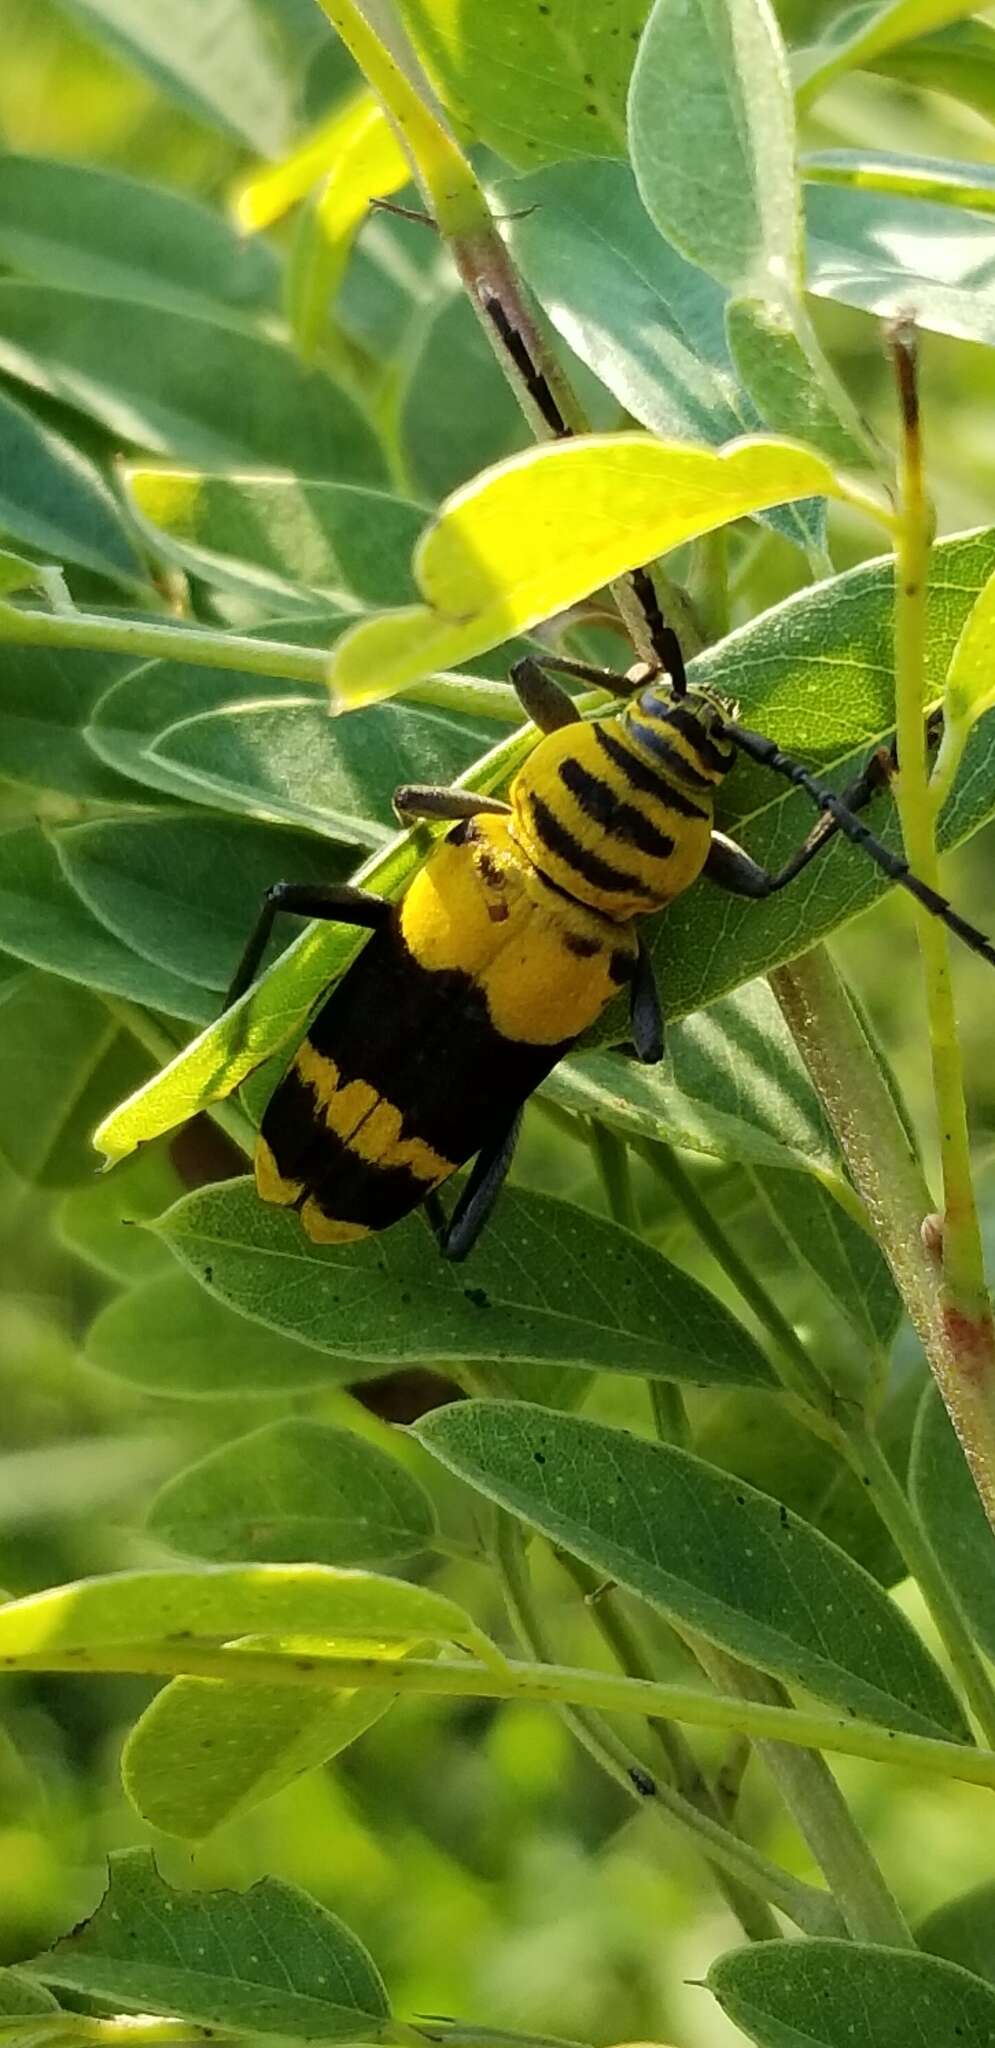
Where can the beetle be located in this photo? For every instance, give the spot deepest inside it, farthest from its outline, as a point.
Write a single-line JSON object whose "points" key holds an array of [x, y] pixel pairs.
{"points": [[518, 931]]}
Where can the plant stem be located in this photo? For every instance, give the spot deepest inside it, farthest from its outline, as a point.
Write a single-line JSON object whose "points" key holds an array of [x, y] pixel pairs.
{"points": [[611, 1157], [813, 1796], [794, 1365], [206, 647], [968, 1388], [670, 1415], [886, 1172], [551, 1684], [745, 1877]]}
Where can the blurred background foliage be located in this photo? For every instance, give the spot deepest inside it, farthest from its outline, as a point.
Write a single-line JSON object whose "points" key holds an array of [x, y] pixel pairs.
{"points": [[490, 1869]]}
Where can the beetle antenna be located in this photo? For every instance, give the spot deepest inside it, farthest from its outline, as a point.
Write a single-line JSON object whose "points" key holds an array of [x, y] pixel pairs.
{"points": [[765, 751]]}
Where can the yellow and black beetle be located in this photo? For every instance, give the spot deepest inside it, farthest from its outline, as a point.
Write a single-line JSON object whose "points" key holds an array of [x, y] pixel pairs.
{"points": [[511, 940]]}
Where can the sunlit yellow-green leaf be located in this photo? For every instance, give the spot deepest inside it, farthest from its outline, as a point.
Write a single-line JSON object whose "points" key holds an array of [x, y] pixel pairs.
{"points": [[913, 177], [368, 164], [860, 36], [82, 1623], [353, 156], [353, 142], [16, 573], [543, 529], [970, 685]]}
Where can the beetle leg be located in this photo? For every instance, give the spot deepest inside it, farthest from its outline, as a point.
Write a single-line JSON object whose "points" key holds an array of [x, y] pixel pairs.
{"points": [[336, 903], [479, 1195], [431, 800], [646, 1009]]}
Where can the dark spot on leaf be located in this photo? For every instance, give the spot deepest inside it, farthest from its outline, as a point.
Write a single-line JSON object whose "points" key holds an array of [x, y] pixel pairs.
{"points": [[783, 1512], [590, 108], [741, 1500], [405, 1298], [208, 1274], [642, 1781], [477, 1296], [539, 1457], [588, 80]]}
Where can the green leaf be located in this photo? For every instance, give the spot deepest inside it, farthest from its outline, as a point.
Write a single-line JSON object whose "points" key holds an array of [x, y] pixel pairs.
{"points": [[881, 252], [763, 1442], [355, 159], [184, 386], [54, 500], [792, 388], [209, 55], [19, 1995], [949, 1507], [285, 537], [184, 890], [841, 1256], [865, 34], [286, 760], [648, 324], [647, 1102], [18, 574], [295, 1490], [459, 412], [963, 1930], [205, 1751], [970, 685], [915, 177], [64, 1060], [551, 1285], [82, 1482], [711, 129], [268, 1960], [96, 1222], [170, 1337], [82, 1623], [46, 698], [959, 60], [81, 225], [545, 528], [44, 922], [391, 285], [732, 1087], [841, 1994], [131, 712], [706, 1550], [532, 84]]}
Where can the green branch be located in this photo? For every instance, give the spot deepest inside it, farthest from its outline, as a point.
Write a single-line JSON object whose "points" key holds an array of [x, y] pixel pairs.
{"points": [[965, 1368], [548, 1684], [206, 647]]}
